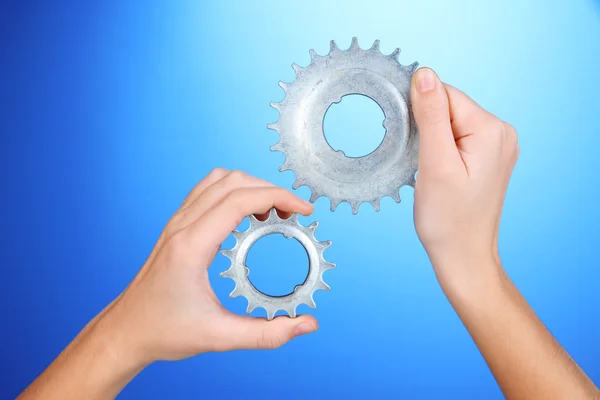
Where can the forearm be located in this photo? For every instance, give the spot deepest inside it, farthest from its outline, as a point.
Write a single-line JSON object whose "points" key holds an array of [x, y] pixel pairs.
{"points": [[96, 365], [526, 360]]}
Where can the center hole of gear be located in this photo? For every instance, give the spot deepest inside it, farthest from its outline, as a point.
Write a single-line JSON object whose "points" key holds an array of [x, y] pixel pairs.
{"points": [[354, 125], [277, 265]]}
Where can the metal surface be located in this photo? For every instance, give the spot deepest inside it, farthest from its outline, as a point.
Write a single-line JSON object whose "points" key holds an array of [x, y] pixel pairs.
{"points": [[324, 82], [290, 228]]}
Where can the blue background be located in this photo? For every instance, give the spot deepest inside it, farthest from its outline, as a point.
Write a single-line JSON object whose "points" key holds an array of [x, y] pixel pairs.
{"points": [[111, 111]]}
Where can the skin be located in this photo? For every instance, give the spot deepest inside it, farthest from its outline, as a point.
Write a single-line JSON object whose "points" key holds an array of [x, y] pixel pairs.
{"points": [[170, 312]]}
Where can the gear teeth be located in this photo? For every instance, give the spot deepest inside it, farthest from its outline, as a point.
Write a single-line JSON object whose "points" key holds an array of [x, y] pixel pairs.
{"points": [[270, 313], [394, 55], [234, 293], [313, 226], [396, 197], [253, 221], [283, 85], [413, 67], [375, 46], [334, 204], [327, 266], [293, 218], [322, 285], [273, 214], [313, 55], [273, 126], [275, 105], [285, 167], [297, 183], [354, 44], [277, 147], [377, 205], [237, 234], [411, 181], [226, 274], [251, 307], [333, 47], [291, 311], [297, 69], [325, 244], [311, 303], [314, 196], [228, 253], [355, 207]]}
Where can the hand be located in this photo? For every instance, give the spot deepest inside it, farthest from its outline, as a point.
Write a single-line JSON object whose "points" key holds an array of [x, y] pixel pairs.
{"points": [[466, 159], [169, 310]]}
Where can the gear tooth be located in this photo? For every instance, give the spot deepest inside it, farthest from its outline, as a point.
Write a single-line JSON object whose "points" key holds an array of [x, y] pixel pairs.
{"points": [[314, 196], [322, 285], [297, 183], [394, 55], [311, 302], [313, 226], [297, 69], [277, 147], [313, 55], [396, 197], [293, 218], [285, 167], [270, 313], [354, 44], [333, 47], [355, 206], [253, 221], [377, 205], [326, 244], [275, 105], [273, 214], [237, 235], [283, 85], [227, 253], [274, 126], [413, 67], [327, 266], [291, 311], [375, 46], [234, 293], [412, 181], [334, 204], [227, 273], [251, 307]]}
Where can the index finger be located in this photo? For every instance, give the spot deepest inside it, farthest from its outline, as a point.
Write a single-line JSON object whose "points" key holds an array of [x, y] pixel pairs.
{"points": [[215, 225]]}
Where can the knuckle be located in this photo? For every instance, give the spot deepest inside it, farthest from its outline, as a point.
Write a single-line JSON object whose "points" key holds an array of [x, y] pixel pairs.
{"points": [[237, 177], [218, 172]]}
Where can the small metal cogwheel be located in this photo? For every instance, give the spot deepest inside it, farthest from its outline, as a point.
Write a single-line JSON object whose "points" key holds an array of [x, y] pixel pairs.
{"points": [[290, 228], [324, 82]]}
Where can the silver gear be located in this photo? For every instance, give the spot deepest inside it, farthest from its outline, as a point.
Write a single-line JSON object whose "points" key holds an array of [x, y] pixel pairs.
{"points": [[324, 82], [290, 228]]}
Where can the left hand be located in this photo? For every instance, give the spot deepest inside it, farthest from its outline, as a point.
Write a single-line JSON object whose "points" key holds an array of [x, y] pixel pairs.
{"points": [[169, 311]]}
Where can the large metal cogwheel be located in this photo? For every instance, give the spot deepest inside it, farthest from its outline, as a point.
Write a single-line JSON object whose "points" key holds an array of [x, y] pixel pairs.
{"points": [[324, 82], [290, 228]]}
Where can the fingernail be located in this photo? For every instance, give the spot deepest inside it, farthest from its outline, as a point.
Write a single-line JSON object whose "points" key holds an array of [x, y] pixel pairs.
{"points": [[304, 328], [425, 80]]}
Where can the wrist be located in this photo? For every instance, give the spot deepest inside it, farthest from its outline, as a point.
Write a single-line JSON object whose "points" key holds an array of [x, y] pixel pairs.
{"points": [[470, 274]]}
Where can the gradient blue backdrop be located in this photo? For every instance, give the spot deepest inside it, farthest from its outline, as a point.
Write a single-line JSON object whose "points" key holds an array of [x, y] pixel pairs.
{"points": [[111, 111]]}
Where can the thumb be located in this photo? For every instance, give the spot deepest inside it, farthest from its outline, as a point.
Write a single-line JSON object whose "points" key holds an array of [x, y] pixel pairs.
{"points": [[432, 113], [258, 333]]}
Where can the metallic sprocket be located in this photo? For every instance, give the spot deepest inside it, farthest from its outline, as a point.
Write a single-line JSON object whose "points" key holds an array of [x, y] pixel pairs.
{"points": [[290, 228], [331, 173]]}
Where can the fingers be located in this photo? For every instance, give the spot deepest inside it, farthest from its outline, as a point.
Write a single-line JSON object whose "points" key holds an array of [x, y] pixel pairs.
{"points": [[212, 228], [211, 178], [216, 192], [258, 333], [465, 114], [432, 113]]}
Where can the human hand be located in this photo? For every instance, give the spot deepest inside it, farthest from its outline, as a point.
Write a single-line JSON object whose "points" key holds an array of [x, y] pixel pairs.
{"points": [[466, 159], [170, 311]]}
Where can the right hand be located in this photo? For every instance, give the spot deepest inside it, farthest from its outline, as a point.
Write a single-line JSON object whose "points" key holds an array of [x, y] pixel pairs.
{"points": [[466, 159]]}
